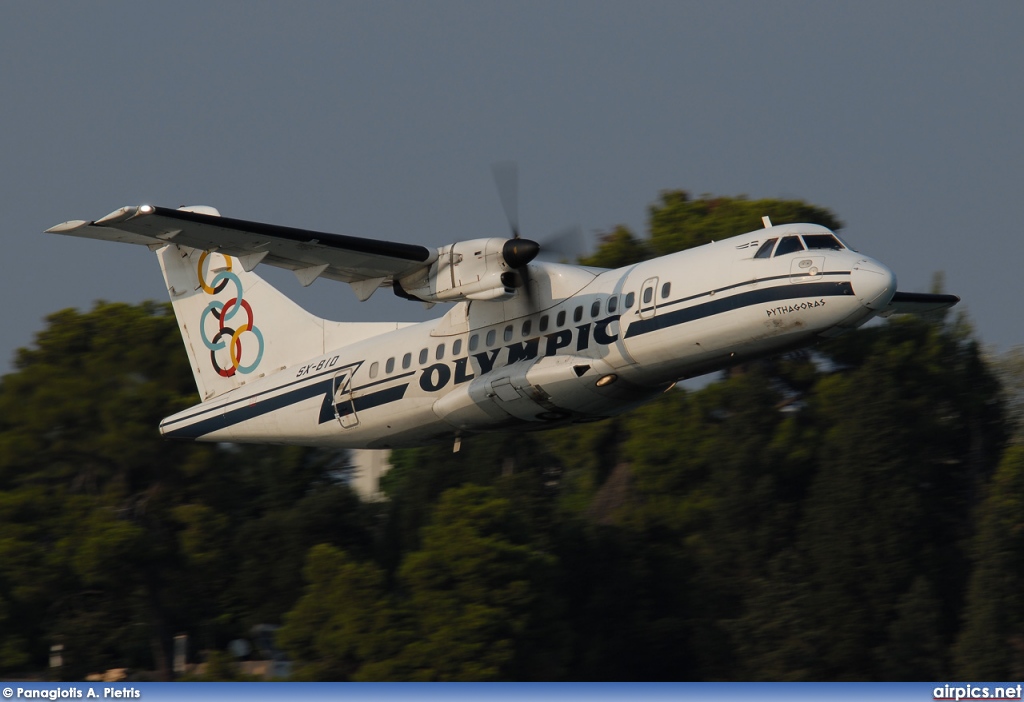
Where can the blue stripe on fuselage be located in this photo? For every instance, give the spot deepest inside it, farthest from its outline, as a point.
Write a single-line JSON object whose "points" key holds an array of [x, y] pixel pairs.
{"points": [[361, 402], [734, 302], [241, 414], [247, 412]]}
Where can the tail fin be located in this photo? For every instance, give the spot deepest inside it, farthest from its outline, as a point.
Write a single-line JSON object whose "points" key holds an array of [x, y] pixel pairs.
{"points": [[237, 327]]}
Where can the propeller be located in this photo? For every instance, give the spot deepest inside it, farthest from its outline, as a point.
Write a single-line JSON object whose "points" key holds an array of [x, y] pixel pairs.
{"points": [[564, 246], [517, 252], [506, 178]]}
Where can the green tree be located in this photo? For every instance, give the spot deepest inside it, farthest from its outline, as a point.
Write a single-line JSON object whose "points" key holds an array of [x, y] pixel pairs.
{"points": [[817, 504], [1009, 367], [344, 621], [679, 222], [86, 476], [812, 516], [475, 586], [906, 433], [991, 644], [718, 476], [519, 466], [469, 604], [619, 247], [115, 540]]}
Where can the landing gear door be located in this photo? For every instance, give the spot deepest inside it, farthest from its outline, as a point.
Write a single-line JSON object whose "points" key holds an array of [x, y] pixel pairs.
{"points": [[344, 406]]}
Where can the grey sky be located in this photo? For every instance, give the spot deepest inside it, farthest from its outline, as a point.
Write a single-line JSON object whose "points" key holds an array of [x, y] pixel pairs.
{"points": [[381, 119]]}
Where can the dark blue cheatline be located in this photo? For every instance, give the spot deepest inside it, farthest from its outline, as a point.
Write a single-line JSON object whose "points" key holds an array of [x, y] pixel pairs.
{"points": [[247, 412], [734, 302]]}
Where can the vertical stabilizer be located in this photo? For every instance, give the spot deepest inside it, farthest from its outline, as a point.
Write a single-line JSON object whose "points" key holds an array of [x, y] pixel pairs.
{"points": [[236, 326]]}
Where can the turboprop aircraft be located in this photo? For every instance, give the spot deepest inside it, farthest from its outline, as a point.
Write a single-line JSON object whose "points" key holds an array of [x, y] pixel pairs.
{"points": [[526, 344]]}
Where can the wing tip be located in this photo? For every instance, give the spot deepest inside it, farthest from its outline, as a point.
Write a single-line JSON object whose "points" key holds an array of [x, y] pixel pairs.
{"points": [[65, 227], [930, 298], [919, 303]]}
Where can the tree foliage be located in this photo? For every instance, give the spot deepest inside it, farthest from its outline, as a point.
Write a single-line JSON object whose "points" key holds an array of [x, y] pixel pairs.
{"points": [[991, 643], [845, 513], [115, 540], [677, 222], [463, 606]]}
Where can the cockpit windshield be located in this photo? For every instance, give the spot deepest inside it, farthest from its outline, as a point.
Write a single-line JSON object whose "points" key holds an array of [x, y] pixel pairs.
{"points": [[766, 249], [823, 241], [789, 244]]}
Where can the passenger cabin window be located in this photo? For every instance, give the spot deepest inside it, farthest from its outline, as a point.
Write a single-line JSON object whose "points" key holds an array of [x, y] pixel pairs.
{"points": [[544, 323], [766, 249], [508, 333], [822, 241], [424, 354], [474, 342], [560, 320], [788, 245], [577, 314], [648, 295], [665, 290], [456, 347], [389, 367], [439, 353], [613, 303], [527, 326], [374, 368], [628, 302], [492, 335], [406, 360], [595, 309]]}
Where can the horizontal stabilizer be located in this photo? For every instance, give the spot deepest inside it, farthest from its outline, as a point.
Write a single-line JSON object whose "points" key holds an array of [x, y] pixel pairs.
{"points": [[918, 303]]}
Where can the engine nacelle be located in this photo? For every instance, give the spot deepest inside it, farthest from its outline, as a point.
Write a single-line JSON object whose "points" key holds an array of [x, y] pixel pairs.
{"points": [[478, 269], [546, 389]]}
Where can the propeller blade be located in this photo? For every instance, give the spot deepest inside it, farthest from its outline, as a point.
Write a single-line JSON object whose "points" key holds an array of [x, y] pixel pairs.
{"points": [[506, 178], [565, 245], [524, 276]]}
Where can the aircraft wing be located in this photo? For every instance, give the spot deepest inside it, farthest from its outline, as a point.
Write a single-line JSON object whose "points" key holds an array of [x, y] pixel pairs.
{"points": [[365, 263], [918, 303]]}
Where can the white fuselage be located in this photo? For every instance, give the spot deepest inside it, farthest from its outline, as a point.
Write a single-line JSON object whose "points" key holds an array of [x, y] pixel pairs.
{"points": [[599, 343]]}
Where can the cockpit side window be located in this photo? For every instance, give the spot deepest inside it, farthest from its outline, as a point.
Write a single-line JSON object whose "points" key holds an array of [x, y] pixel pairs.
{"points": [[822, 241], [789, 244], [766, 249]]}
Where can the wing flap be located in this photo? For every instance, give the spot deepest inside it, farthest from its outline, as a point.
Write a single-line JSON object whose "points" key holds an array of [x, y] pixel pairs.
{"points": [[343, 258]]}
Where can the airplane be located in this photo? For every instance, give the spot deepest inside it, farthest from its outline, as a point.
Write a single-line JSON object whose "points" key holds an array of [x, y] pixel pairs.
{"points": [[527, 344]]}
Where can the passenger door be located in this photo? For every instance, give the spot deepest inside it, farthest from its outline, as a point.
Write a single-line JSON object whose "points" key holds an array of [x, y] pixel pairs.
{"points": [[648, 298], [344, 405]]}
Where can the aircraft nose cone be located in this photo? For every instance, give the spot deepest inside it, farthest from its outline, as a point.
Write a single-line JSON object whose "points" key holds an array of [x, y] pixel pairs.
{"points": [[873, 284]]}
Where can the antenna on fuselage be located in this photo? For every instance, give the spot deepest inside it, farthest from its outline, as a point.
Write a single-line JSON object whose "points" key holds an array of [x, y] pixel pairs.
{"points": [[767, 222]]}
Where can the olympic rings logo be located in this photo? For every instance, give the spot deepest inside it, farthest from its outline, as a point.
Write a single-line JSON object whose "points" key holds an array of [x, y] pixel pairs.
{"points": [[223, 312]]}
